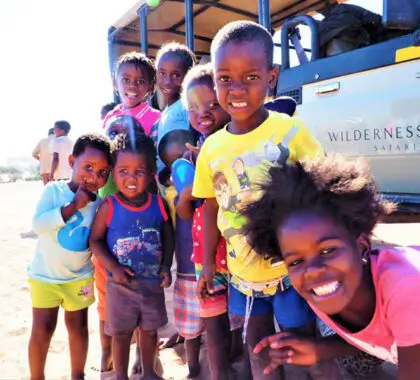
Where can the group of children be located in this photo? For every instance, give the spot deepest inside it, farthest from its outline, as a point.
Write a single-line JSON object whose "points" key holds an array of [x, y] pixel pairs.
{"points": [[263, 226]]}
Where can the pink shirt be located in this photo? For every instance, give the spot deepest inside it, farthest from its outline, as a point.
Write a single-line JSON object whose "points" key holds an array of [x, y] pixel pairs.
{"points": [[143, 113], [396, 321]]}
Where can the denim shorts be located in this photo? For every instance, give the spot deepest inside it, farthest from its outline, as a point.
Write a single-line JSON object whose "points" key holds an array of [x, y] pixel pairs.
{"points": [[288, 307]]}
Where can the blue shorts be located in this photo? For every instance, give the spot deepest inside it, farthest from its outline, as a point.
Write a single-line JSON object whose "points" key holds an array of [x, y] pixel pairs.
{"points": [[288, 307]]}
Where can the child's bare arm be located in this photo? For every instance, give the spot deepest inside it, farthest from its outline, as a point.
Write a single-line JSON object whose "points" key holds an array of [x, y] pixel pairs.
{"points": [[98, 246], [168, 247], [184, 207], [80, 200], [211, 240], [408, 363]]}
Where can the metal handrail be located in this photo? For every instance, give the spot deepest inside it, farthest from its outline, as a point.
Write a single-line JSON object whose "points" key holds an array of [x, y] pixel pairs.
{"points": [[287, 28]]}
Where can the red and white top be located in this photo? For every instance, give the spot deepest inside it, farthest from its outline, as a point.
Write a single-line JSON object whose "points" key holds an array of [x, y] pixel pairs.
{"points": [[198, 241]]}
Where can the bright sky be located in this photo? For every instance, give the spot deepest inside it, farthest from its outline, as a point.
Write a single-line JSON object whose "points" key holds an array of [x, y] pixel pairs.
{"points": [[55, 66]]}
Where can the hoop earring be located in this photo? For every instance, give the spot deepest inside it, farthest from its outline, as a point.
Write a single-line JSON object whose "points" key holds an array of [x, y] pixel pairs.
{"points": [[364, 260]]}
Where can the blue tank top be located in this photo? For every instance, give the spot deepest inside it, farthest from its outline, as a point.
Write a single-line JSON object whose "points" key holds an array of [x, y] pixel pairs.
{"points": [[134, 234]]}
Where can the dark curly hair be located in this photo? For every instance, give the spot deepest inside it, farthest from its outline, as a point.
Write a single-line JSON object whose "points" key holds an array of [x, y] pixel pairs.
{"points": [[95, 141], [140, 61], [137, 143], [199, 74], [244, 31], [343, 189], [180, 50]]}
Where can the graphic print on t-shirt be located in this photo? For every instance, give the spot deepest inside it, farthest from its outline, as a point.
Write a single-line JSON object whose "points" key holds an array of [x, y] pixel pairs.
{"points": [[73, 236], [230, 204], [142, 253]]}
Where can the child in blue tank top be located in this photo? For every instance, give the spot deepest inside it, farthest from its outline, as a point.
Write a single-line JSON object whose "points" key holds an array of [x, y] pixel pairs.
{"points": [[132, 237]]}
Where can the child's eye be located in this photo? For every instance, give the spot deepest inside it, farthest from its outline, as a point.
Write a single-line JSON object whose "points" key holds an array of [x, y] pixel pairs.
{"points": [[327, 251], [140, 82], [161, 73], [176, 76], [104, 173], [192, 108], [252, 77], [224, 79], [213, 105], [294, 263], [141, 172], [122, 171], [125, 80], [88, 168]]}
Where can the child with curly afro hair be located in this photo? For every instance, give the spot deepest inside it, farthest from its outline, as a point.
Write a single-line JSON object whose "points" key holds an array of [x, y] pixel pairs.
{"points": [[318, 217]]}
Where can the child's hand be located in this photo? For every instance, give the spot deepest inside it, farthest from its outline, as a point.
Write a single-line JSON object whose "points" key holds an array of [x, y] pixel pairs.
{"points": [[205, 282], [82, 198], [193, 151], [166, 277], [287, 348], [122, 274]]}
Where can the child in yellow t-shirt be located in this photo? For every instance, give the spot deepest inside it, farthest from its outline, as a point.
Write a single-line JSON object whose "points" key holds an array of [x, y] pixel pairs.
{"points": [[231, 163]]}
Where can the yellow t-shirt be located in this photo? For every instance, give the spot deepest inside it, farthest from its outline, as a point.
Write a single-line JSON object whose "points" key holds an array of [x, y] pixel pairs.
{"points": [[228, 168]]}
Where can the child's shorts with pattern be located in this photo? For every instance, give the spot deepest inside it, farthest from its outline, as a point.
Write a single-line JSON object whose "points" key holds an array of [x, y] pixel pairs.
{"points": [[72, 296], [187, 319], [218, 304]]}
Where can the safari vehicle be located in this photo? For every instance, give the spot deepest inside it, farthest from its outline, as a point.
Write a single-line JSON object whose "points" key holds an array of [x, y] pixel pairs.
{"points": [[358, 99]]}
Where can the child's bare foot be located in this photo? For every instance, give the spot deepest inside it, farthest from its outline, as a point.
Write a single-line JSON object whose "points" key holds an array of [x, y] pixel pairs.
{"points": [[136, 369], [106, 363], [171, 342]]}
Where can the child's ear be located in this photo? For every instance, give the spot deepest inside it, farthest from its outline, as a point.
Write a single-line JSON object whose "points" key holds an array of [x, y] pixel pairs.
{"points": [[364, 246], [71, 161], [273, 75]]}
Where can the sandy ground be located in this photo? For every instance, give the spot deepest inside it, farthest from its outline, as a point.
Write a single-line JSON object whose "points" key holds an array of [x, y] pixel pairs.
{"points": [[17, 245]]}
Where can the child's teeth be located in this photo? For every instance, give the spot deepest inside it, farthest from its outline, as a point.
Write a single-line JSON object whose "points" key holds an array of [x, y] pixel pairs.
{"points": [[239, 105], [327, 289]]}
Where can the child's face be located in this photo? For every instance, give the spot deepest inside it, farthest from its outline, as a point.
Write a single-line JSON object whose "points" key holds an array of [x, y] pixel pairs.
{"points": [[173, 152], [323, 260], [205, 113], [131, 174], [90, 169], [170, 74], [242, 79], [132, 84]]}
